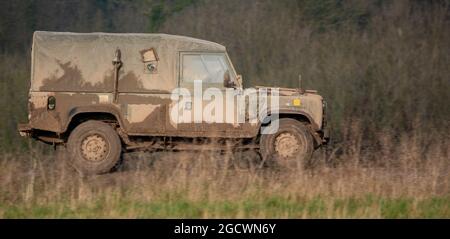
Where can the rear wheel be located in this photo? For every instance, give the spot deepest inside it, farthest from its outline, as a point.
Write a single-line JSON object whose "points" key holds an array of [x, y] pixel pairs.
{"points": [[290, 147], [94, 148]]}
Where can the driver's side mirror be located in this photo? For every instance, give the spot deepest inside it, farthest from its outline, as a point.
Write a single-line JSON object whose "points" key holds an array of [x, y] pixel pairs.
{"points": [[228, 82]]}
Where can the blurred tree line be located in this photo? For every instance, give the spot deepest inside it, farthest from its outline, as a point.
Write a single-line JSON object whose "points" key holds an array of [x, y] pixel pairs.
{"points": [[383, 65], [19, 19]]}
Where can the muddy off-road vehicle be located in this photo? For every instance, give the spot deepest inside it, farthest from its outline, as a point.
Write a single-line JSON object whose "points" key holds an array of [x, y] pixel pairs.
{"points": [[99, 95]]}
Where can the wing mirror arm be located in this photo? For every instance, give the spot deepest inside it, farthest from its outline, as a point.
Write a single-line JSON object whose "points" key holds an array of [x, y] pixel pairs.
{"points": [[239, 81], [236, 84]]}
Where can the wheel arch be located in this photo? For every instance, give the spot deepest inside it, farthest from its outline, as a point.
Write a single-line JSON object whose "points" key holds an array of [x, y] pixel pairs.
{"points": [[81, 114], [301, 116]]}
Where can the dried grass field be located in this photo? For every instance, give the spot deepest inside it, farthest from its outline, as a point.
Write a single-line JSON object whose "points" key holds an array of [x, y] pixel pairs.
{"points": [[406, 179]]}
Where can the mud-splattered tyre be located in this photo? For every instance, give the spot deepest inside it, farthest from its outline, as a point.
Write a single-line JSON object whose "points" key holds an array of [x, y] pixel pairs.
{"points": [[94, 148], [291, 147]]}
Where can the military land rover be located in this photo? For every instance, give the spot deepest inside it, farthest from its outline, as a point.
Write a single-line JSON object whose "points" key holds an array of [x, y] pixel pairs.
{"points": [[98, 95]]}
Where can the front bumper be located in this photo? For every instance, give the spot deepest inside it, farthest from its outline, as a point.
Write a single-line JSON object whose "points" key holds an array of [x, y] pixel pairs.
{"points": [[325, 124], [326, 135]]}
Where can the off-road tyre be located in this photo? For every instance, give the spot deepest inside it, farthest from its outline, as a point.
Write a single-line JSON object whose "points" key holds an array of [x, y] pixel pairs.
{"points": [[291, 147], [94, 147]]}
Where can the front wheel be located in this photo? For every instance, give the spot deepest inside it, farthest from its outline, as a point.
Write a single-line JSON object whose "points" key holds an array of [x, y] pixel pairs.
{"points": [[94, 148], [291, 146]]}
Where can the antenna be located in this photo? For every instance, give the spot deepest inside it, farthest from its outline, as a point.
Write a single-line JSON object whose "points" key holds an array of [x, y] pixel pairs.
{"points": [[300, 89], [300, 81]]}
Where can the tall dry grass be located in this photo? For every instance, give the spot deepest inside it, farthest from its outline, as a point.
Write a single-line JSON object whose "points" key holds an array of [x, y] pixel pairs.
{"points": [[407, 178]]}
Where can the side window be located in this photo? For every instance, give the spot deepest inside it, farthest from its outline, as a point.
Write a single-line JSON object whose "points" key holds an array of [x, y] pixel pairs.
{"points": [[209, 68], [216, 67], [193, 69]]}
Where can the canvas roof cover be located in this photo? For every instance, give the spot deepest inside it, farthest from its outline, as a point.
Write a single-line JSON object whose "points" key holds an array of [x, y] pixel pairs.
{"points": [[82, 62]]}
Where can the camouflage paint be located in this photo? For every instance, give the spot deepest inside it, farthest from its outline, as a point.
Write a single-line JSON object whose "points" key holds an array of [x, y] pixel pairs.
{"points": [[77, 70]]}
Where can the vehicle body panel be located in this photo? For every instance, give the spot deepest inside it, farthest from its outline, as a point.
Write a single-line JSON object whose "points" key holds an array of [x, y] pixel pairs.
{"points": [[77, 70]]}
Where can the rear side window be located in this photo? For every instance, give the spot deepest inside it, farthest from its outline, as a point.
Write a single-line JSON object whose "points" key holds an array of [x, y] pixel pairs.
{"points": [[208, 68]]}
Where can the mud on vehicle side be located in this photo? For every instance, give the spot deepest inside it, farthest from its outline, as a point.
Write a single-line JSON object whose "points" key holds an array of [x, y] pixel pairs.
{"points": [[101, 94]]}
